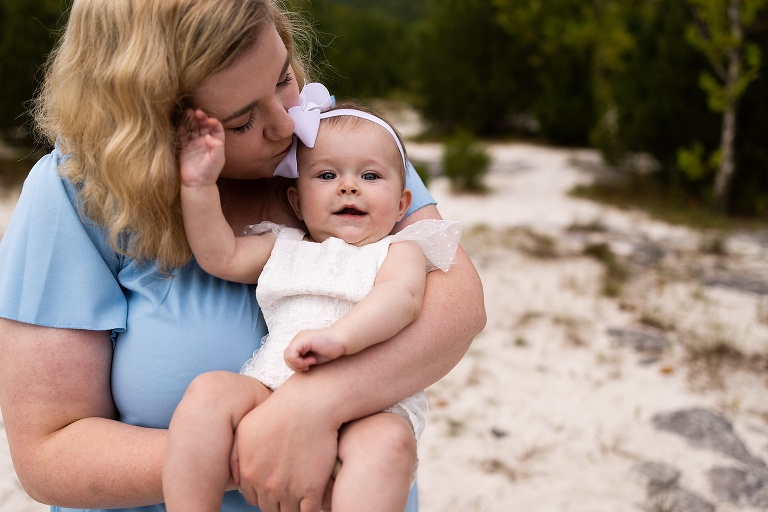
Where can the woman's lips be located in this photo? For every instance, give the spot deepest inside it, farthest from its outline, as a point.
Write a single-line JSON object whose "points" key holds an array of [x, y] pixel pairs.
{"points": [[286, 150]]}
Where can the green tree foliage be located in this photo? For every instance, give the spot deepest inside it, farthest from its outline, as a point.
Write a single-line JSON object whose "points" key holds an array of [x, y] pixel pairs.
{"points": [[408, 10], [657, 100], [28, 31], [749, 189], [718, 32], [362, 52], [662, 108], [486, 63], [561, 42], [472, 73]]}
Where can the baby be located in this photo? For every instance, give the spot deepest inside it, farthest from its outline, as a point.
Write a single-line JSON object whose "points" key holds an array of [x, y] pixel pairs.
{"points": [[333, 290]]}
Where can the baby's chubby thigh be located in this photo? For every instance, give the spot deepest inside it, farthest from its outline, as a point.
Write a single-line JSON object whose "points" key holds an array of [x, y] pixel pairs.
{"points": [[384, 441], [221, 396], [377, 460]]}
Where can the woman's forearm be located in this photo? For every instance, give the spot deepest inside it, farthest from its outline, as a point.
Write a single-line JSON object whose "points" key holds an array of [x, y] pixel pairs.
{"points": [[97, 463]]}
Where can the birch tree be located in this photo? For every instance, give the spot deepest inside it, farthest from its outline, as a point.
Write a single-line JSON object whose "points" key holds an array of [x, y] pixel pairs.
{"points": [[717, 32]]}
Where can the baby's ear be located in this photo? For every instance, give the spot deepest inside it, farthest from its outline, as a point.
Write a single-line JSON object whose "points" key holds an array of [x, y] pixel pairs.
{"points": [[405, 203], [293, 198]]}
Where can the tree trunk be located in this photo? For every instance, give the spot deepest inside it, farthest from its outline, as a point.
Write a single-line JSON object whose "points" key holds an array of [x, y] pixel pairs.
{"points": [[728, 131]]}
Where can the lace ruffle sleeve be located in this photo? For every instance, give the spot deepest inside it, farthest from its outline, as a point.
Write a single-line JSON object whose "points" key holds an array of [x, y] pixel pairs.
{"points": [[262, 228], [437, 239]]}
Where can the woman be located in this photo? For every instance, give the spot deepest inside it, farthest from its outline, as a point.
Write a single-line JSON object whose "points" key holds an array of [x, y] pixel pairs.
{"points": [[105, 320]]}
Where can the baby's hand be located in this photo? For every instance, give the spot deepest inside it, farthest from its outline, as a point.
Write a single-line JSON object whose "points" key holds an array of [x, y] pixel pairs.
{"points": [[311, 347], [202, 149]]}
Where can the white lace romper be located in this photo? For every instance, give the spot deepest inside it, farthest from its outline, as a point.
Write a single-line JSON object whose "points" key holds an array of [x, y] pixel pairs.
{"points": [[308, 285]]}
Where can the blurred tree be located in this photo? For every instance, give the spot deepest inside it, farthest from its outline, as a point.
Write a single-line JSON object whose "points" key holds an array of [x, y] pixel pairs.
{"points": [[28, 31], [749, 188], [362, 52], [572, 47], [471, 73], [655, 87], [717, 31], [408, 10], [660, 109]]}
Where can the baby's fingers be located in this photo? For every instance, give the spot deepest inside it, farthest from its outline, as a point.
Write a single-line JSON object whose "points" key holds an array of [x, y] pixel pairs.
{"points": [[196, 123], [190, 126], [296, 360]]}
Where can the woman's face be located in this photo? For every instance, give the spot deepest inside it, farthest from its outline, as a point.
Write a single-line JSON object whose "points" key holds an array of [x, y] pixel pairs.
{"points": [[251, 99]]}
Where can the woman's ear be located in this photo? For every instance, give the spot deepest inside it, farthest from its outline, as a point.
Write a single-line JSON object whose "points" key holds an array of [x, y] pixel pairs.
{"points": [[405, 203], [293, 198]]}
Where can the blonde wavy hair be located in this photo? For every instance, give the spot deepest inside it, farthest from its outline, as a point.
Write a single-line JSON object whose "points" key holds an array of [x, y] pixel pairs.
{"points": [[112, 98]]}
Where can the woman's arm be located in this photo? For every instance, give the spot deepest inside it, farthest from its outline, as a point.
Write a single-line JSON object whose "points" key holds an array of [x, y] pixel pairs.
{"points": [[57, 406], [287, 445]]}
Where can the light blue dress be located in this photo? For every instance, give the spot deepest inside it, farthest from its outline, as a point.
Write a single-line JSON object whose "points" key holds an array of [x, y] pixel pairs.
{"points": [[57, 270]]}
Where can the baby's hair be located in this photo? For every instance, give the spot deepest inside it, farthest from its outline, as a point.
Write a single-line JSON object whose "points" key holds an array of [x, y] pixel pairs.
{"points": [[344, 121]]}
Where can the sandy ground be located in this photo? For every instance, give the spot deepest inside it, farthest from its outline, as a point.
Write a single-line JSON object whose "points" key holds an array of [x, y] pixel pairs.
{"points": [[548, 412]]}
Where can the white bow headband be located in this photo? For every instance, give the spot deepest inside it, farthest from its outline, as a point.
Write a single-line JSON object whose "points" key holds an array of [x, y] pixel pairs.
{"points": [[315, 100]]}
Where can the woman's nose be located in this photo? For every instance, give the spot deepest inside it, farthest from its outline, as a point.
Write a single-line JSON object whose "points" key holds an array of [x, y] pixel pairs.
{"points": [[281, 125]]}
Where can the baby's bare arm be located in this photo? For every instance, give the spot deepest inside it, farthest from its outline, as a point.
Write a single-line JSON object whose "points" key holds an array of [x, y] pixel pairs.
{"points": [[393, 303], [215, 246]]}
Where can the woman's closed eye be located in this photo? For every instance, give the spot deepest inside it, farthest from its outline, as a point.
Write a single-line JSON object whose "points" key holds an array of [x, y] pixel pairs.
{"points": [[247, 125], [286, 81]]}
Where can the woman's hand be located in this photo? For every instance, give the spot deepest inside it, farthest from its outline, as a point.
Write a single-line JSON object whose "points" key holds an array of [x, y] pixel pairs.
{"points": [[286, 449]]}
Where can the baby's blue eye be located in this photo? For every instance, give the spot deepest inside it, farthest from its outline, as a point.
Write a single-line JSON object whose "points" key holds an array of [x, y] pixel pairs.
{"points": [[327, 175], [370, 176]]}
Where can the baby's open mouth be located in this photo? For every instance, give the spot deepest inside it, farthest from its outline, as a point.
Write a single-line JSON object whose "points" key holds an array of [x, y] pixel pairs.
{"points": [[349, 211]]}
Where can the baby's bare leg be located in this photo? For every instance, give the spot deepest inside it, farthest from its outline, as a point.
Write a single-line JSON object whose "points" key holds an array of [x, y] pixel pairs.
{"points": [[377, 455], [196, 466]]}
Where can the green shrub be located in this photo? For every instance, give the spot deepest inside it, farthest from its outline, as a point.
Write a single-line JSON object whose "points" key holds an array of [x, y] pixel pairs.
{"points": [[465, 162]]}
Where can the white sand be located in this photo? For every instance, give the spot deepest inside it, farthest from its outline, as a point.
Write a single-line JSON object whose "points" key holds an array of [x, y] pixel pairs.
{"points": [[545, 413], [570, 410]]}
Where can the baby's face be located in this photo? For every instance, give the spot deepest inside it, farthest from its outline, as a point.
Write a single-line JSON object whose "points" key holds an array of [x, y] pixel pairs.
{"points": [[350, 184]]}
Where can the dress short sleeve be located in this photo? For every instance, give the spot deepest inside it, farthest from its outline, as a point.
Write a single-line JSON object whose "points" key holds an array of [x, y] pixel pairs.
{"points": [[437, 239], [56, 269], [420, 196]]}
